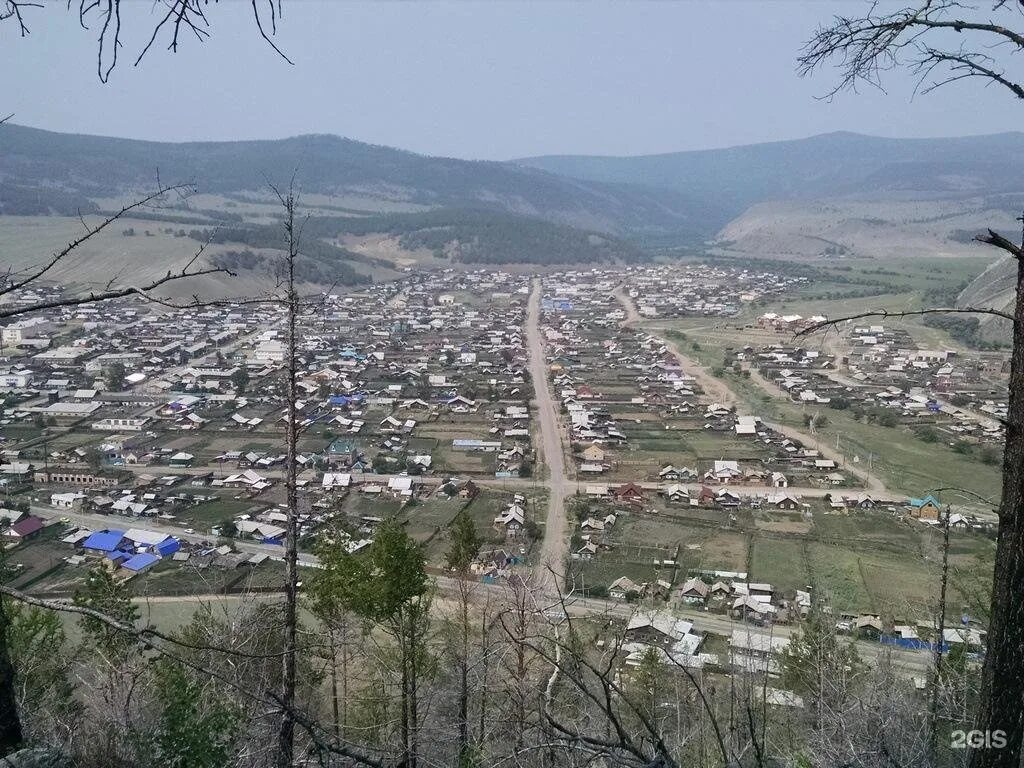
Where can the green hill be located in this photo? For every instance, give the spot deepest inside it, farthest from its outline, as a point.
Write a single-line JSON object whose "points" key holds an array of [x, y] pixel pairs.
{"points": [[42, 171]]}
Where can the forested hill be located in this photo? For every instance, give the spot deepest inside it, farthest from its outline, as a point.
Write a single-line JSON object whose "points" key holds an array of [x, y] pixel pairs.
{"points": [[824, 166], [42, 171], [468, 236]]}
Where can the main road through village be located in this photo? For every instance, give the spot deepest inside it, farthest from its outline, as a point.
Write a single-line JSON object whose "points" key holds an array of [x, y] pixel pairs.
{"points": [[555, 545]]}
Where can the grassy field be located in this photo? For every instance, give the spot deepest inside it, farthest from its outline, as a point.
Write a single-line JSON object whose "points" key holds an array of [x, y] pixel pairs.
{"points": [[780, 562], [27, 241]]}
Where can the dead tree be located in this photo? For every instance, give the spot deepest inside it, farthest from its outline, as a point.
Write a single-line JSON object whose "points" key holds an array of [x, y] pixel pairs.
{"points": [[176, 19], [943, 41], [286, 734]]}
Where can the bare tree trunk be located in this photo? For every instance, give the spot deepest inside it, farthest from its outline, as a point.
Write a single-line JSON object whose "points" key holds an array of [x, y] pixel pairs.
{"points": [[404, 721], [1002, 681], [464, 674], [414, 715], [286, 734], [335, 709], [481, 737], [933, 717], [10, 724]]}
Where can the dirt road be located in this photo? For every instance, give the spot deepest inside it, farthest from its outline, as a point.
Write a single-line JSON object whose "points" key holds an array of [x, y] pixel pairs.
{"points": [[720, 392], [713, 388], [555, 546]]}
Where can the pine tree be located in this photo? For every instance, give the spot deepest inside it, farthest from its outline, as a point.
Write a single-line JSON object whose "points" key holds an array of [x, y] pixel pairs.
{"points": [[103, 593], [465, 543]]}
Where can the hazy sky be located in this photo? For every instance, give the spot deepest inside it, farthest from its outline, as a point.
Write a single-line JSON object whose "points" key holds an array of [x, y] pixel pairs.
{"points": [[474, 79]]}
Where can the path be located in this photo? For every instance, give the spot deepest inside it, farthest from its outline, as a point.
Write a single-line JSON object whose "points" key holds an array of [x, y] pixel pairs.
{"points": [[713, 387], [554, 550]]}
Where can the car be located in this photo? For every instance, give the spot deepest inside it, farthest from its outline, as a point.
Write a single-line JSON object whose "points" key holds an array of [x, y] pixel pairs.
{"points": [[65, 520], [190, 530]]}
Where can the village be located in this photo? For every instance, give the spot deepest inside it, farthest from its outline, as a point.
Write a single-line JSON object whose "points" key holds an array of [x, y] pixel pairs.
{"points": [[151, 440]]}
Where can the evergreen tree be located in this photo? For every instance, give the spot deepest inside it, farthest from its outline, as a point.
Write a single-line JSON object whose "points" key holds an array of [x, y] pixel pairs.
{"points": [[196, 728], [43, 666], [113, 375], [465, 543], [240, 379], [102, 592]]}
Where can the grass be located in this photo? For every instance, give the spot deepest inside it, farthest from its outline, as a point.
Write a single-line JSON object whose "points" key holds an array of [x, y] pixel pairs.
{"points": [[212, 512], [836, 575], [780, 562]]}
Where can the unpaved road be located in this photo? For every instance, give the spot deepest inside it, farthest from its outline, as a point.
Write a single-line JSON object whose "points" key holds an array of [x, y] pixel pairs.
{"points": [[555, 546], [713, 388]]}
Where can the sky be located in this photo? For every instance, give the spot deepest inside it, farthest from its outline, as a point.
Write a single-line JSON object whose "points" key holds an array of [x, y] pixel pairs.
{"points": [[479, 80]]}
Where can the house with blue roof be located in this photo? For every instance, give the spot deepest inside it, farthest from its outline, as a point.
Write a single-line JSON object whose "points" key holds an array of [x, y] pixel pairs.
{"points": [[926, 508], [103, 541]]}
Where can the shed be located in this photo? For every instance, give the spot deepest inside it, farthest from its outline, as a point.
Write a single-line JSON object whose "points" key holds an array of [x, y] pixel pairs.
{"points": [[141, 562]]}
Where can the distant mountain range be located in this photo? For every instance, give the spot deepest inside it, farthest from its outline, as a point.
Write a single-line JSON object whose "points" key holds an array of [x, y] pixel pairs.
{"points": [[553, 209], [369, 178], [680, 195], [825, 166]]}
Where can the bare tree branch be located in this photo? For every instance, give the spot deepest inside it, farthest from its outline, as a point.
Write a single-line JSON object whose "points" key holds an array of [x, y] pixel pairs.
{"points": [[865, 47], [180, 17], [900, 314], [90, 233]]}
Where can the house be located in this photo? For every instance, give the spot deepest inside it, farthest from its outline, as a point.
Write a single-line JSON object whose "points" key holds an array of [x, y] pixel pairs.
{"points": [[181, 459], [779, 480], [677, 493], [248, 478], [265, 532], [401, 486], [924, 509], [512, 520], [782, 501], [723, 472], [24, 529], [656, 628], [593, 453], [141, 562], [630, 493], [66, 500], [422, 460], [103, 541], [668, 473], [868, 626], [694, 591], [337, 480], [624, 588], [727, 498], [468, 490], [586, 552], [750, 607], [756, 652]]}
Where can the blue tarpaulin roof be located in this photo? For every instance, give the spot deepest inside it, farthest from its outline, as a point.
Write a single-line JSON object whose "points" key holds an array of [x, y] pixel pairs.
{"points": [[168, 547], [141, 562], [105, 541]]}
